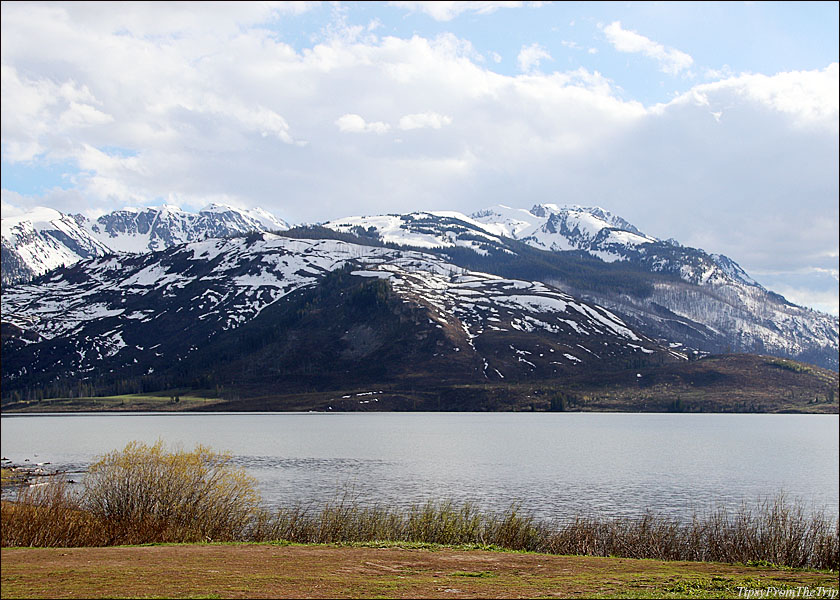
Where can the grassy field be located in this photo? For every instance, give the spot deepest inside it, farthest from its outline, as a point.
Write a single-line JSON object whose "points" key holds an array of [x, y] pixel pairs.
{"points": [[375, 571], [155, 401]]}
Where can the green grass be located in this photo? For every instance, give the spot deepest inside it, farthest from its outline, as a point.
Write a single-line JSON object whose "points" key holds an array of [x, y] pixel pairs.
{"points": [[790, 365], [163, 401]]}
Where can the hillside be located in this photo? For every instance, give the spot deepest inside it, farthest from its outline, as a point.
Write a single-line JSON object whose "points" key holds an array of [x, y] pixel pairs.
{"points": [[673, 293], [324, 310], [682, 296], [270, 322]]}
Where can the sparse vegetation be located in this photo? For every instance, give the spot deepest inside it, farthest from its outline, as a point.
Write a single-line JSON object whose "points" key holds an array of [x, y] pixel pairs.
{"points": [[144, 494], [790, 365], [777, 532], [166, 400], [141, 494]]}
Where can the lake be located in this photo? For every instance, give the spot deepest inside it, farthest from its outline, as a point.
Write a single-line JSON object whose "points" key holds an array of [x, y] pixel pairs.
{"points": [[554, 465]]}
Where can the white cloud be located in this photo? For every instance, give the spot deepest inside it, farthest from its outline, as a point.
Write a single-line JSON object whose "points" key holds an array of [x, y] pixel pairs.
{"points": [[25, 106], [258, 119], [431, 120], [723, 73], [809, 97], [825, 301], [222, 111], [575, 46], [442, 10], [822, 301], [671, 61], [10, 203], [82, 115], [351, 123], [530, 56]]}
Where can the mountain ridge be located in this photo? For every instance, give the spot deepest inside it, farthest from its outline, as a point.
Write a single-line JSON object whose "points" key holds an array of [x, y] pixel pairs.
{"points": [[44, 239], [704, 301], [105, 315], [684, 297]]}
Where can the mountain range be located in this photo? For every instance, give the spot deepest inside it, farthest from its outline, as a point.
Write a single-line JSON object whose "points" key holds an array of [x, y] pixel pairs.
{"points": [[673, 293], [434, 306], [44, 238]]}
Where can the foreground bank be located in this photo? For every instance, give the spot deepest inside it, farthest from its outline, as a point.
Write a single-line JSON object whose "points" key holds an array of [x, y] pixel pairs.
{"points": [[380, 570]]}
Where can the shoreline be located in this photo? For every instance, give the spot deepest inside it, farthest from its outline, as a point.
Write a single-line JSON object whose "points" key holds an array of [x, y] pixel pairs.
{"points": [[163, 411]]}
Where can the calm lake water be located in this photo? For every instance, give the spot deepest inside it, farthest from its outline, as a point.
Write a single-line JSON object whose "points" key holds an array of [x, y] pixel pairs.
{"points": [[553, 464]]}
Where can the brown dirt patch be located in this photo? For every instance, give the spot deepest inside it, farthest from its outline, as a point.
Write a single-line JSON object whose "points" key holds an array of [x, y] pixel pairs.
{"points": [[270, 571]]}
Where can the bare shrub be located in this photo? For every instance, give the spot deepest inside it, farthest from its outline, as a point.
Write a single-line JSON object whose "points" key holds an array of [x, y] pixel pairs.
{"points": [[145, 494], [49, 515], [775, 532]]}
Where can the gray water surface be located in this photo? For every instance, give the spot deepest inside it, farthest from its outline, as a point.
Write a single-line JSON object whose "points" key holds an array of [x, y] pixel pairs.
{"points": [[554, 465]]}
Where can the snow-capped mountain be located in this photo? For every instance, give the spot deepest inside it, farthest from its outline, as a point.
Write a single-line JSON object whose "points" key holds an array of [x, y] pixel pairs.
{"points": [[608, 237], [438, 229], [550, 227], [685, 298], [157, 228], [176, 311], [44, 239], [686, 295], [721, 309]]}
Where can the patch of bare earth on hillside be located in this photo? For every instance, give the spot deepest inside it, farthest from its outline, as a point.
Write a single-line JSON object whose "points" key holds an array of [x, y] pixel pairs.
{"points": [[269, 571]]}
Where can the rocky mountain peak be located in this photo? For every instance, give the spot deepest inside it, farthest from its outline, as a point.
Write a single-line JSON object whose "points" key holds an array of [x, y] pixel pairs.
{"points": [[44, 238]]}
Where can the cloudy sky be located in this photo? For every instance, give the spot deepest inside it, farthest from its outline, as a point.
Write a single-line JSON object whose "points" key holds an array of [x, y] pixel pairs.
{"points": [[712, 123]]}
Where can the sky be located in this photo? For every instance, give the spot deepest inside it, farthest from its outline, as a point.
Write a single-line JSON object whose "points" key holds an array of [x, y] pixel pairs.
{"points": [[715, 124]]}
